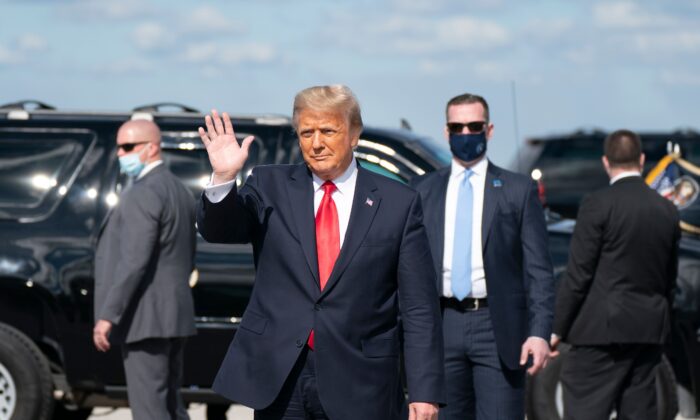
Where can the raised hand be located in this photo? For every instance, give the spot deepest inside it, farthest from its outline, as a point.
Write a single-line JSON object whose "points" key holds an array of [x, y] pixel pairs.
{"points": [[225, 155]]}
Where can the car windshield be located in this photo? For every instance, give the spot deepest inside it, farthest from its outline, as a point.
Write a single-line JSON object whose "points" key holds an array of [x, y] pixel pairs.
{"points": [[419, 154]]}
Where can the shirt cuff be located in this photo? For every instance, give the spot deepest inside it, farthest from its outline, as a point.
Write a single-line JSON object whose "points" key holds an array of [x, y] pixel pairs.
{"points": [[534, 336], [216, 193]]}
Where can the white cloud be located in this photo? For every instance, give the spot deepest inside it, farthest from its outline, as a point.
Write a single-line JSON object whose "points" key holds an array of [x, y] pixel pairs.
{"points": [[680, 78], [202, 23], [585, 54], [224, 53], [669, 43], [435, 67], [475, 33], [22, 49], [433, 6], [418, 35], [248, 53], [8, 56], [199, 53], [212, 72], [493, 71], [549, 29], [628, 15], [105, 9], [430, 67], [150, 36], [127, 66], [31, 42], [207, 19]]}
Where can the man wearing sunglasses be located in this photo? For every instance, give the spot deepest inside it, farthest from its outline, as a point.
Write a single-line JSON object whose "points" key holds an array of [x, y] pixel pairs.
{"points": [[145, 254], [488, 239]]}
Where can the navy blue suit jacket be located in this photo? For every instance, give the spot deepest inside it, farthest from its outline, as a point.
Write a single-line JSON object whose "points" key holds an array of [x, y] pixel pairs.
{"points": [[383, 274], [518, 267]]}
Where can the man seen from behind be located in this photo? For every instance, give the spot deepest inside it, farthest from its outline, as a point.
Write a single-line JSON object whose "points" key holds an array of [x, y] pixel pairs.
{"points": [[614, 303]]}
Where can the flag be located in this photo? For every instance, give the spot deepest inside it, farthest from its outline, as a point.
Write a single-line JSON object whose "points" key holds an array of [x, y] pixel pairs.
{"points": [[677, 180], [664, 176]]}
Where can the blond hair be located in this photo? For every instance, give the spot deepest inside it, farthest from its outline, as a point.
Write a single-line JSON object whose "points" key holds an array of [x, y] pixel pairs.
{"points": [[329, 98]]}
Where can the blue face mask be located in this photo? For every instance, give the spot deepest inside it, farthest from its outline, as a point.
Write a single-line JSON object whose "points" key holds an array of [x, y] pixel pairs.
{"points": [[468, 147], [131, 164]]}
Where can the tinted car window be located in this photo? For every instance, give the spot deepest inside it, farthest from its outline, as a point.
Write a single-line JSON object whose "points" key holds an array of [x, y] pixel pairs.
{"points": [[37, 169], [186, 157]]}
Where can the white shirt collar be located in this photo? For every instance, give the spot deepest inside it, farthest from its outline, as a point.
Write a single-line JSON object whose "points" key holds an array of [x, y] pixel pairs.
{"points": [[344, 183], [148, 168], [625, 174], [479, 168]]}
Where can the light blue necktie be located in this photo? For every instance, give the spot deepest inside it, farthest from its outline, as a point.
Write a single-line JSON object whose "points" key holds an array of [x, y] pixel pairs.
{"points": [[462, 250]]}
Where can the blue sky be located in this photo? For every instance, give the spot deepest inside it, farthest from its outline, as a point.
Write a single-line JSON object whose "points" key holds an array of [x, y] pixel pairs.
{"points": [[584, 64]]}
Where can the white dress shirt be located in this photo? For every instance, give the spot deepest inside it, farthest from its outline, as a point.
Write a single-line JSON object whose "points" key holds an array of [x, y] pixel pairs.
{"points": [[478, 181], [148, 168], [342, 196], [625, 174]]}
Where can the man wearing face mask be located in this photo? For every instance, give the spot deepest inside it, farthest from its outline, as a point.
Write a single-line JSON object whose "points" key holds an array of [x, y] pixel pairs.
{"points": [[145, 254], [488, 239]]}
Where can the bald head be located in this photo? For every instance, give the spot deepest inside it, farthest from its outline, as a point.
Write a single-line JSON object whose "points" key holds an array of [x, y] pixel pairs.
{"points": [[141, 130], [142, 134]]}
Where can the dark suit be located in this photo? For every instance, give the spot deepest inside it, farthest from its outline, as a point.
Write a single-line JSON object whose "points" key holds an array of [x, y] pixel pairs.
{"points": [[518, 270], [144, 257], [384, 263], [614, 303]]}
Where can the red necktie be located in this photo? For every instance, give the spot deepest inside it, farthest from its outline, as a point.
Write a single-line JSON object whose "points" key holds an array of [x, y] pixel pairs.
{"points": [[327, 239]]}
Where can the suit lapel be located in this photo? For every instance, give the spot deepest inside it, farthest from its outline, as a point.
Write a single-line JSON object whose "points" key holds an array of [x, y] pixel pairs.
{"points": [[361, 217], [493, 189], [301, 201]]}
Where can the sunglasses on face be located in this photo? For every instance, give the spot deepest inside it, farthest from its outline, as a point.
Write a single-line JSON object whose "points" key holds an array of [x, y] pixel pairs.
{"points": [[474, 127], [128, 147]]}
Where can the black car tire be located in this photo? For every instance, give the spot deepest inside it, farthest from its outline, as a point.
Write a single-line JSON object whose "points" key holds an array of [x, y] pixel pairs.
{"points": [[62, 413], [543, 393], [30, 373]]}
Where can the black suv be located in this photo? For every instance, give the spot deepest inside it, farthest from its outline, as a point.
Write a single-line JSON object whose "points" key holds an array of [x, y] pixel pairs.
{"points": [[58, 177], [568, 166]]}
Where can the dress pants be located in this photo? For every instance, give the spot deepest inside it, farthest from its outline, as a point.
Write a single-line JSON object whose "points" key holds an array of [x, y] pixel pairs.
{"points": [[153, 370], [598, 379], [298, 399], [479, 386]]}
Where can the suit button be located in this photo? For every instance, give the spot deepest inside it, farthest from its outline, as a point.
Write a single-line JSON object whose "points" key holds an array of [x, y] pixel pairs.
{"points": [[299, 343]]}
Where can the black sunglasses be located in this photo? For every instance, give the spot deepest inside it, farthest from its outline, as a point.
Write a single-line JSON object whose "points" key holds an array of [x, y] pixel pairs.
{"points": [[127, 147], [474, 127]]}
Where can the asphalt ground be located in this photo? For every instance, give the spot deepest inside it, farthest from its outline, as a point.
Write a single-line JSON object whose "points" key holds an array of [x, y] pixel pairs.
{"points": [[196, 411]]}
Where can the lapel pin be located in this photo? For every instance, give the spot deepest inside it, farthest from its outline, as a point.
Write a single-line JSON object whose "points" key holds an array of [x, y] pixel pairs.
{"points": [[369, 202], [497, 183]]}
